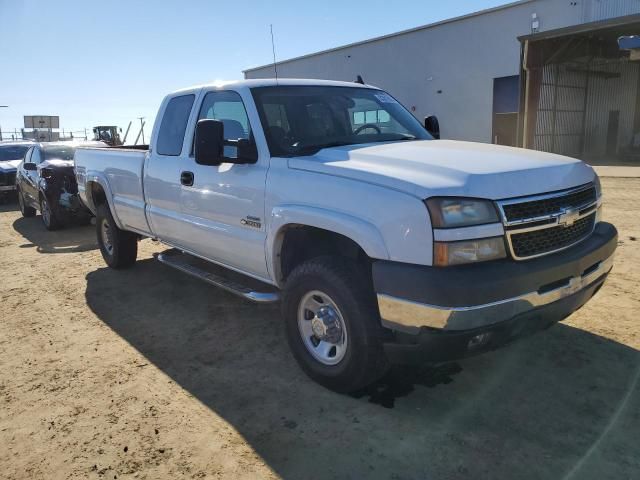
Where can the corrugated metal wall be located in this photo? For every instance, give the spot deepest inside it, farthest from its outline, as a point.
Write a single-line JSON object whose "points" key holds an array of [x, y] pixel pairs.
{"points": [[561, 110], [611, 94], [594, 10], [575, 102]]}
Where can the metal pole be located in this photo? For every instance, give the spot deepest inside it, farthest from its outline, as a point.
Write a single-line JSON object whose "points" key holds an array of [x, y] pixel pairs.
{"points": [[139, 133], [141, 128], [124, 140]]}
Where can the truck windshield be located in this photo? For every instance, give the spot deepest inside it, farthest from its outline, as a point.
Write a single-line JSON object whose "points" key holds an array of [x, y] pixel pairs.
{"points": [[12, 152], [301, 120]]}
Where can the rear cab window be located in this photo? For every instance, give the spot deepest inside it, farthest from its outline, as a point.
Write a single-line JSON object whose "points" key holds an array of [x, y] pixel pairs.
{"points": [[174, 125]]}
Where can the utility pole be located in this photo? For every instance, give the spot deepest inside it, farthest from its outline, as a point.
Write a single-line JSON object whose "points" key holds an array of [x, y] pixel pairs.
{"points": [[141, 127], [2, 106]]}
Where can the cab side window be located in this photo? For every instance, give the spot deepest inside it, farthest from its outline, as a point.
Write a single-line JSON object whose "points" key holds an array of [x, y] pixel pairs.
{"points": [[174, 125], [229, 109]]}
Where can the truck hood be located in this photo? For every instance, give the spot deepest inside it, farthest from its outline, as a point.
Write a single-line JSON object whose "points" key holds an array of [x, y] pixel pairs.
{"points": [[9, 165], [429, 168]]}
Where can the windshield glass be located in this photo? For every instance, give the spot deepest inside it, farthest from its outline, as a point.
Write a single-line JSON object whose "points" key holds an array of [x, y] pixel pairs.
{"points": [[12, 152], [58, 152], [300, 120]]}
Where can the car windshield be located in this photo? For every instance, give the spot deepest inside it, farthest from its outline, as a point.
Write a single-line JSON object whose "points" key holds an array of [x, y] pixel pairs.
{"points": [[300, 120], [12, 152], [58, 152]]}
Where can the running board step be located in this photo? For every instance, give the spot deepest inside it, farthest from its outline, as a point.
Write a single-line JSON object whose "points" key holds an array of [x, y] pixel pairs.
{"points": [[229, 280]]}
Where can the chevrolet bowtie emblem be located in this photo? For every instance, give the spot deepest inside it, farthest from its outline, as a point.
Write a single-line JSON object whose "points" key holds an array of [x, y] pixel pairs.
{"points": [[568, 217]]}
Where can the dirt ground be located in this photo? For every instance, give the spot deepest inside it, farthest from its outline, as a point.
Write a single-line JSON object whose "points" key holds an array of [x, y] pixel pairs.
{"points": [[148, 373]]}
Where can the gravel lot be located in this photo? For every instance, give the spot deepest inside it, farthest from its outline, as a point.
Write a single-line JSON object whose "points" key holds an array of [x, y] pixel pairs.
{"points": [[148, 373]]}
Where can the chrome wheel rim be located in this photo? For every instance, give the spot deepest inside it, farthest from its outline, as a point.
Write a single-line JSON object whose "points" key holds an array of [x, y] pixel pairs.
{"points": [[322, 328], [46, 215], [107, 240]]}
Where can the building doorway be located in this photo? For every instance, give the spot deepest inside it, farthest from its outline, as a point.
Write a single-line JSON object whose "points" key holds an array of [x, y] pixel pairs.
{"points": [[506, 97]]}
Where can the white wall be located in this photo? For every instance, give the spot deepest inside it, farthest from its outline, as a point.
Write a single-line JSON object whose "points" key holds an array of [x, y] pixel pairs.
{"points": [[459, 58]]}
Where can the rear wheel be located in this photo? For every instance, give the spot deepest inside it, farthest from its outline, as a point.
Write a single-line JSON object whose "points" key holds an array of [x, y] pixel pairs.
{"points": [[25, 210], [48, 215], [332, 325], [119, 248]]}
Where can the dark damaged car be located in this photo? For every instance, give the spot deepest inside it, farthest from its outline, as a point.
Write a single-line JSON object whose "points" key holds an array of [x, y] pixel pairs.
{"points": [[46, 182], [11, 154]]}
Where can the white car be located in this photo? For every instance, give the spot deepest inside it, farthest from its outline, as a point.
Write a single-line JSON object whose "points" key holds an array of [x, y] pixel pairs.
{"points": [[11, 154], [382, 244]]}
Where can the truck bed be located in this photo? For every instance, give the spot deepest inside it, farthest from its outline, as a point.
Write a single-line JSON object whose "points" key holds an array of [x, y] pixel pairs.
{"points": [[119, 170]]}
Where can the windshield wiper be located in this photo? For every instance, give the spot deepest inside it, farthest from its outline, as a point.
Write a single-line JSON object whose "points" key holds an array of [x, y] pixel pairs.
{"points": [[320, 146], [401, 137]]}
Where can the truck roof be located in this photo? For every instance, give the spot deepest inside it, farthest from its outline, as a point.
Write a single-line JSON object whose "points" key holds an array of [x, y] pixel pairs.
{"points": [[272, 82]]}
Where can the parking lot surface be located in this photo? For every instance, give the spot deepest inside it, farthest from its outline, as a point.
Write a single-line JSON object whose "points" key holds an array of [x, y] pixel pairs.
{"points": [[148, 373]]}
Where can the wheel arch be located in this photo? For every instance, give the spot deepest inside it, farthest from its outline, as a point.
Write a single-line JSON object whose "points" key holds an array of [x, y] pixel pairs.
{"points": [[98, 192], [298, 233]]}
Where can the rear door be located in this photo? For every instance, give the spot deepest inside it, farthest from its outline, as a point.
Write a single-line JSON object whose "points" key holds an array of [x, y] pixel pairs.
{"points": [[162, 186], [223, 207]]}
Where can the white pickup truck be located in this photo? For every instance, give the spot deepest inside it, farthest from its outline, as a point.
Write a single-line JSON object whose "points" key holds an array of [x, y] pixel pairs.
{"points": [[383, 244]]}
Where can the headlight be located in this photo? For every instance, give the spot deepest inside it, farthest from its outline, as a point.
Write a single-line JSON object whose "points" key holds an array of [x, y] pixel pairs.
{"points": [[468, 251], [449, 212]]}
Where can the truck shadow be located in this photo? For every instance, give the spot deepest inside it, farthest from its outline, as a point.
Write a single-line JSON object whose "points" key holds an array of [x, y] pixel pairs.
{"points": [[561, 400], [71, 239]]}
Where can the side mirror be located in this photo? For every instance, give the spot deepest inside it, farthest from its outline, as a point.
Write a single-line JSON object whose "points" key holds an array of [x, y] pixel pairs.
{"points": [[29, 166], [432, 125], [209, 142], [247, 151]]}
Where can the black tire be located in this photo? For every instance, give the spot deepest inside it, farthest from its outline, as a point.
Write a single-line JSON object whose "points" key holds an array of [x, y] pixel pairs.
{"points": [[349, 288], [26, 211], [122, 248], [48, 215]]}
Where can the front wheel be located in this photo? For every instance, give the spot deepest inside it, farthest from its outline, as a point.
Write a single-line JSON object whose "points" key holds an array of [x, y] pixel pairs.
{"points": [[332, 324], [48, 215], [119, 248]]}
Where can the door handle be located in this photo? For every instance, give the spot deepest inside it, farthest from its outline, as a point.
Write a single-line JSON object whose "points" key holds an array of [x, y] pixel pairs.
{"points": [[186, 178]]}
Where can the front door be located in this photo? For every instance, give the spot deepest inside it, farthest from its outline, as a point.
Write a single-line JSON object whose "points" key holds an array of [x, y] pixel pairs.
{"points": [[31, 178], [223, 208]]}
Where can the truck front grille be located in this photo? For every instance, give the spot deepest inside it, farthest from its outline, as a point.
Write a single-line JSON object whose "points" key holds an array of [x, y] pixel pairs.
{"points": [[534, 243], [549, 206], [7, 178], [544, 224]]}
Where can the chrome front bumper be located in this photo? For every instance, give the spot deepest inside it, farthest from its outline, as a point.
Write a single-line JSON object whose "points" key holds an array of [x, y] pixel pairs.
{"points": [[403, 315]]}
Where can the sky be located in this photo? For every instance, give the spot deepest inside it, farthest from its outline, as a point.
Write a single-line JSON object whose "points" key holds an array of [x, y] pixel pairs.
{"points": [[109, 62]]}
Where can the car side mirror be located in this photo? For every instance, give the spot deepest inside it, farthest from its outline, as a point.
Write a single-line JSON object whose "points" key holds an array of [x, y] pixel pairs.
{"points": [[209, 142], [432, 125], [247, 151], [29, 166]]}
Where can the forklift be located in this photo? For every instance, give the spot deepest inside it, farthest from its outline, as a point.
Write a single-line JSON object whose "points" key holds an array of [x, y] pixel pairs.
{"points": [[108, 134]]}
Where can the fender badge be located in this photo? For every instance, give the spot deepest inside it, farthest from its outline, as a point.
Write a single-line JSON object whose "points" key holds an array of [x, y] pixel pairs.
{"points": [[251, 222]]}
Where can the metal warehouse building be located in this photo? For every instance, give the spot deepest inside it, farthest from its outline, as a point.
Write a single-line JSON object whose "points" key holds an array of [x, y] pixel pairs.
{"points": [[543, 74]]}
